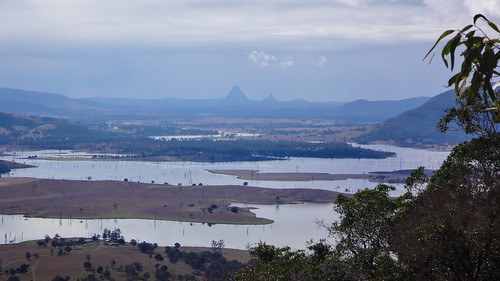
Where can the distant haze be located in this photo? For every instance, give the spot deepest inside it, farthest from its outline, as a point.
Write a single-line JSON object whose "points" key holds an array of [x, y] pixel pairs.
{"points": [[335, 50]]}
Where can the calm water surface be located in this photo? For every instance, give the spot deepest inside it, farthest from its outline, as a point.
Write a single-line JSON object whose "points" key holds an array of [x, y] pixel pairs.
{"points": [[293, 226]]}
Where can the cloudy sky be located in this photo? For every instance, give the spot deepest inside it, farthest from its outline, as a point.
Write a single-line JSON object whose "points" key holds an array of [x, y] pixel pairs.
{"points": [[320, 50]]}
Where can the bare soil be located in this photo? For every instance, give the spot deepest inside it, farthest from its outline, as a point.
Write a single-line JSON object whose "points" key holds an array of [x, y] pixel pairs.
{"points": [[116, 199]]}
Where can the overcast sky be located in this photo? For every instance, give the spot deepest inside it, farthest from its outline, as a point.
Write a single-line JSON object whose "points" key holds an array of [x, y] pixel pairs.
{"points": [[320, 50]]}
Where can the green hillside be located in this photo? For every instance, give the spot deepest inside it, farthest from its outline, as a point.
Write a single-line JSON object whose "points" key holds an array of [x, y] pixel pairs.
{"points": [[418, 126]]}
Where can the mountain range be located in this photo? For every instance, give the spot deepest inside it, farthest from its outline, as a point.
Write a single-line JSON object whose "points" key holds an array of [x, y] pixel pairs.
{"points": [[234, 105], [402, 122]]}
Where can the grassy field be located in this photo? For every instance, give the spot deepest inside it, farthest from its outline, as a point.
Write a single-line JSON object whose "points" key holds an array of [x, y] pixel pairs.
{"points": [[119, 199], [48, 264]]}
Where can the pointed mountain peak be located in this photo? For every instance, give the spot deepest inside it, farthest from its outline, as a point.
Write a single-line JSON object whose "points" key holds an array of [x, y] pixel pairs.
{"points": [[236, 95], [270, 98]]}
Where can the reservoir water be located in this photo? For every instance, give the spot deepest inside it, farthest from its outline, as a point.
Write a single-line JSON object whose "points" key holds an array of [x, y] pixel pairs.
{"points": [[297, 221]]}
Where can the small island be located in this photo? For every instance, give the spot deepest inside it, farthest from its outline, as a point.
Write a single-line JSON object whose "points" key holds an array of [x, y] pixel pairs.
{"points": [[131, 200]]}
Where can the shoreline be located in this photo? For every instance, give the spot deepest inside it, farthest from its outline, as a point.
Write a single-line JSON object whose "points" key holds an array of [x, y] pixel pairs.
{"points": [[45, 198], [378, 177]]}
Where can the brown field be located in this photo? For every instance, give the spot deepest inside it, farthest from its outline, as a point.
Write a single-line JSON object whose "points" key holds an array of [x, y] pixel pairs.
{"points": [[386, 177], [48, 265], [119, 199]]}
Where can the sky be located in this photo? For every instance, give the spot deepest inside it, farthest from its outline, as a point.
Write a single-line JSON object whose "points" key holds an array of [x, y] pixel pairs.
{"points": [[319, 50]]}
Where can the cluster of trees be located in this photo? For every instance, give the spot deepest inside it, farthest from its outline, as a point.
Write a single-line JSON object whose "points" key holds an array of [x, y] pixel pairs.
{"points": [[113, 236], [46, 133], [245, 150], [446, 227], [4, 168], [212, 264]]}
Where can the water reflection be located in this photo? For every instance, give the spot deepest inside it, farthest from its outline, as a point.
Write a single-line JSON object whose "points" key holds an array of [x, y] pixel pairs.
{"points": [[294, 225]]}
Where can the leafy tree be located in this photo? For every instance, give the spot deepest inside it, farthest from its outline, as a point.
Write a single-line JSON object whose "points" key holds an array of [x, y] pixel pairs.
{"points": [[217, 246], [273, 263], [87, 265], [451, 230], [478, 100], [159, 257], [68, 249], [366, 221], [133, 242]]}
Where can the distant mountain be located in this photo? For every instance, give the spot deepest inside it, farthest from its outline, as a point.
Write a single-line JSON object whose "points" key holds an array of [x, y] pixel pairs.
{"points": [[235, 105], [363, 111], [235, 96], [418, 126]]}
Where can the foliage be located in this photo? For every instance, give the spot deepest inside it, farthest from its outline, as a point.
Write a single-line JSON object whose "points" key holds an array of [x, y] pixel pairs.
{"points": [[147, 248], [273, 263], [478, 102], [366, 221], [213, 264], [452, 229], [4, 169]]}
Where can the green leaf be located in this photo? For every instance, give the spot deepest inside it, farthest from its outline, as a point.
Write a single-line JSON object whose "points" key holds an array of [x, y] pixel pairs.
{"points": [[478, 16], [454, 79], [493, 26], [454, 44], [449, 49], [446, 33], [466, 28], [470, 34]]}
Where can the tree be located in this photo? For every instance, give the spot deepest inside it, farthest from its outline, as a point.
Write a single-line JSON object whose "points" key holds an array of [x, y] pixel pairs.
{"points": [[273, 263], [362, 233], [159, 257], [478, 101], [133, 242], [451, 230], [28, 255], [87, 265], [67, 249], [217, 246]]}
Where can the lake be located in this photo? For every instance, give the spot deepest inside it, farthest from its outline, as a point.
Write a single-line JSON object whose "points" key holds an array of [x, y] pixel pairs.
{"points": [[297, 220], [288, 228]]}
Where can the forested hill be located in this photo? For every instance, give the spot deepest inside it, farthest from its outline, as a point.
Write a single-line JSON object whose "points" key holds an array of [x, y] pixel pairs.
{"points": [[45, 132], [418, 126]]}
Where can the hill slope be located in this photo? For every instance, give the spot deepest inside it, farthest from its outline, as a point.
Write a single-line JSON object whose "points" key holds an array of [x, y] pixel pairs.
{"points": [[418, 126]]}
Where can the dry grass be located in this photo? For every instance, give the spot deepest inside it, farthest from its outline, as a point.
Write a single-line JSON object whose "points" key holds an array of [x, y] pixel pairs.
{"points": [[48, 265], [115, 199]]}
